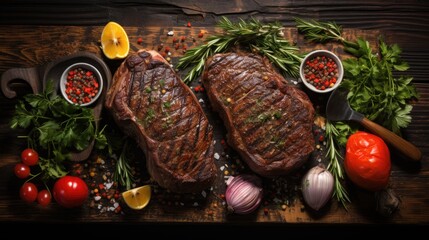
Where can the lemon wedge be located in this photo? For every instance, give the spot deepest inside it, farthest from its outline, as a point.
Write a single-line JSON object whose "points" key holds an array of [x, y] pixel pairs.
{"points": [[137, 198], [114, 41]]}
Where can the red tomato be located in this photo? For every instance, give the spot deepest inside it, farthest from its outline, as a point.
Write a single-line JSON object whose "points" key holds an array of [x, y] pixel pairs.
{"points": [[70, 191], [44, 197], [29, 157], [28, 192], [367, 161], [21, 170]]}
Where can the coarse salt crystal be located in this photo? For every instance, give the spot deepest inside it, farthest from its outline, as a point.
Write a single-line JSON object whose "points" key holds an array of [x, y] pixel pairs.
{"points": [[108, 185], [216, 156], [97, 198], [195, 204], [222, 168], [201, 100], [204, 194], [182, 204], [170, 33], [115, 205]]}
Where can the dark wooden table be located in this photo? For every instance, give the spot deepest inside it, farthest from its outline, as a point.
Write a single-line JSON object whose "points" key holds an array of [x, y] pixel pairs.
{"points": [[35, 34]]}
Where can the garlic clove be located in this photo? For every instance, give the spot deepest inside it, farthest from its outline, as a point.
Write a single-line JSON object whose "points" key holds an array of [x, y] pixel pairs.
{"points": [[317, 187]]}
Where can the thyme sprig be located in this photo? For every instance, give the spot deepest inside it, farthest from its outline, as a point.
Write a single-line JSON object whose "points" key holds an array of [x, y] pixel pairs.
{"points": [[266, 39], [123, 171]]}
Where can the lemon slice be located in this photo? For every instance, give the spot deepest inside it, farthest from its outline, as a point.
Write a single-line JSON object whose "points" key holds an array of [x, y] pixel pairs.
{"points": [[137, 198], [114, 41]]}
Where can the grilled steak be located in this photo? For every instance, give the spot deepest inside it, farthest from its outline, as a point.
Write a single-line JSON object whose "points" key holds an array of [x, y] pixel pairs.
{"points": [[269, 123], [150, 103]]}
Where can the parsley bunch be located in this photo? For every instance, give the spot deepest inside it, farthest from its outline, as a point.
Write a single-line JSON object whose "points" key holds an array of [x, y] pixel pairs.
{"points": [[55, 129], [374, 90]]}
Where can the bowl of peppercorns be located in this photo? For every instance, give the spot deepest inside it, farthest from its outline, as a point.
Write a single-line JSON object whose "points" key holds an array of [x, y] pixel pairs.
{"points": [[321, 71], [81, 83]]}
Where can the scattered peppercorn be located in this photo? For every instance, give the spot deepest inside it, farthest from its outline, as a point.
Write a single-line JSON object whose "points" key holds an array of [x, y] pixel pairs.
{"points": [[160, 46], [139, 40], [189, 24]]}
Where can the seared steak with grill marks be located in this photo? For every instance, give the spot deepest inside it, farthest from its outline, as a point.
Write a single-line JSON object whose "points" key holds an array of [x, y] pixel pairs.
{"points": [[150, 102], [269, 123]]}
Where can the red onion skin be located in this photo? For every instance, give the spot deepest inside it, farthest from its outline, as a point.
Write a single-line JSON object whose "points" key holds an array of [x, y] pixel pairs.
{"points": [[244, 194]]}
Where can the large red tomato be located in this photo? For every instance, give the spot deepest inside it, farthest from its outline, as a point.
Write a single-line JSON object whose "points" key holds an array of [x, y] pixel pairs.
{"points": [[70, 191], [367, 161]]}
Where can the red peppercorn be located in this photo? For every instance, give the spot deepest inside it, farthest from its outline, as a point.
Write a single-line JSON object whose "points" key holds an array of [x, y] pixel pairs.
{"points": [[139, 40], [200, 35], [189, 24]]}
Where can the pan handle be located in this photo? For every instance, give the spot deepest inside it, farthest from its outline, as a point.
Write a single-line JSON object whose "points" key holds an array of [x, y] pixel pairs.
{"points": [[30, 75], [405, 147]]}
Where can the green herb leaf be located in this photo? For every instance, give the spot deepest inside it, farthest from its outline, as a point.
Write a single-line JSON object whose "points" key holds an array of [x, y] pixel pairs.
{"points": [[252, 36], [55, 128]]}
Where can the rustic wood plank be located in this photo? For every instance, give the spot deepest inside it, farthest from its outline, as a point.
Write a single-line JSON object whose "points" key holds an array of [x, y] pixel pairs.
{"points": [[404, 21], [28, 46]]}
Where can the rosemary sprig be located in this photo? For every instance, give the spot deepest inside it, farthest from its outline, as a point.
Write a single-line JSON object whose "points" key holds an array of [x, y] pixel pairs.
{"points": [[123, 174], [335, 166], [267, 39], [321, 32]]}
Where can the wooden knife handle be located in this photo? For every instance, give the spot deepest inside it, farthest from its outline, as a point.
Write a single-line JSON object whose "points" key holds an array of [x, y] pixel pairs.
{"points": [[399, 143]]}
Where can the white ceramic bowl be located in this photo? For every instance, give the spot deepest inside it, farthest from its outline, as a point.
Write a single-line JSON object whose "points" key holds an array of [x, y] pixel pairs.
{"points": [[85, 67], [320, 53]]}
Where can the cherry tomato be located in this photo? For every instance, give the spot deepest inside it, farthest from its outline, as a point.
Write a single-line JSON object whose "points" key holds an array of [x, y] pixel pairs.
{"points": [[44, 197], [21, 170], [367, 161], [28, 192], [30, 157], [70, 191]]}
